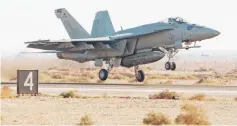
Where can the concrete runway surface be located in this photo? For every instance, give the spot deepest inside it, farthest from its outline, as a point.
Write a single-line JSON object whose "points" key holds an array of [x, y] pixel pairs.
{"points": [[133, 90]]}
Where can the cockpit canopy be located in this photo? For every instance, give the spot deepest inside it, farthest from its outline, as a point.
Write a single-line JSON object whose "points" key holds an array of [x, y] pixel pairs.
{"points": [[175, 20]]}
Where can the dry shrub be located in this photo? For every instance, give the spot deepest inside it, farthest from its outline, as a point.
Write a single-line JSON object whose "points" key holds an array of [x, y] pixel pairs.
{"points": [[211, 99], [76, 79], [118, 76], [43, 94], [85, 70], [70, 94], [64, 69], [201, 97], [164, 95], [132, 80], [13, 79], [157, 76], [201, 69], [185, 77], [65, 73], [89, 75], [203, 80], [8, 74], [86, 120], [145, 81], [168, 76], [148, 68], [86, 97], [231, 75], [156, 119], [6, 92], [124, 97], [211, 69], [206, 80], [234, 71], [192, 115], [53, 68], [198, 97], [44, 77], [99, 81], [166, 82], [56, 76]]}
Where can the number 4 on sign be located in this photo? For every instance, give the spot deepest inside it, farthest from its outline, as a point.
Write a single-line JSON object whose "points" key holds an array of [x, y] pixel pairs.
{"points": [[29, 81]]}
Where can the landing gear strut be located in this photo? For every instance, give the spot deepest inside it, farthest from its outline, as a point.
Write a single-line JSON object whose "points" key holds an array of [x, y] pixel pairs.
{"points": [[170, 54], [140, 76]]}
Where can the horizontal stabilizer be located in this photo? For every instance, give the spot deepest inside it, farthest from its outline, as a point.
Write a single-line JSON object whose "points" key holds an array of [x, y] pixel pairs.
{"points": [[99, 39], [188, 47], [53, 51]]}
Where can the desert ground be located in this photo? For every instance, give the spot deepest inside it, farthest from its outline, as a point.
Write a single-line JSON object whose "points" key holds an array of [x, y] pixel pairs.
{"points": [[75, 108], [165, 107], [108, 111]]}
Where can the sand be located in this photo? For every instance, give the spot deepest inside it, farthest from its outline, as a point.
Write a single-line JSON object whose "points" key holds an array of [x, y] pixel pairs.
{"points": [[54, 110]]}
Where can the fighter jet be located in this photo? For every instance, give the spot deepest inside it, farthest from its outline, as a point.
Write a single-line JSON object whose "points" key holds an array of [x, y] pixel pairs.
{"points": [[128, 47]]}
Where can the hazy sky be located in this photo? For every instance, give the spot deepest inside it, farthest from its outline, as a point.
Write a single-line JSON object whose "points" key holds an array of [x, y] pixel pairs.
{"points": [[26, 20]]}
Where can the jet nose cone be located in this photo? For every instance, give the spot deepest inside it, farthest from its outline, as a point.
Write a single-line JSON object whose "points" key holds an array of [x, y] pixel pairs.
{"points": [[215, 33], [210, 33]]}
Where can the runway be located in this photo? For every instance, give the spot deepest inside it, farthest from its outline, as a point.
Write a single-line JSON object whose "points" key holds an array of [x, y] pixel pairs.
{"points": [[137, 90]]}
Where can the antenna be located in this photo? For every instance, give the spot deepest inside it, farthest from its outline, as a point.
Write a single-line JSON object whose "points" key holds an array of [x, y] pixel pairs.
{"points": [[121, 28]]}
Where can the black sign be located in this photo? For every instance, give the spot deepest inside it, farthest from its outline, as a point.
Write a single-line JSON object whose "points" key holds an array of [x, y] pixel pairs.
{"points": [[27, 81]]}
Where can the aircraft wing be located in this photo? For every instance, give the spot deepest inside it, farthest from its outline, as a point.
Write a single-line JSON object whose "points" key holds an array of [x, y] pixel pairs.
{"points": [[90, 40], [72, 44], [124, 35], [97, 43]]}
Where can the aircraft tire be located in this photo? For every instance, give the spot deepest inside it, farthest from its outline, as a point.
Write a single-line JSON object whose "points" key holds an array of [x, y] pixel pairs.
{"points": [[140, 76], [168, 65], [173, 66], [103, 74]]}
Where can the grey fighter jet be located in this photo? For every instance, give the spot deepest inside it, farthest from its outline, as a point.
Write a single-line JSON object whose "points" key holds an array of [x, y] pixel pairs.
{"points": [[127, 48]]}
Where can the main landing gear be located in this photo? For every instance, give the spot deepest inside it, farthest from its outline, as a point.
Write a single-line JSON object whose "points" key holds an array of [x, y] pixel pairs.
{"points": [[104, 73], [140, 76], [170, 54]]}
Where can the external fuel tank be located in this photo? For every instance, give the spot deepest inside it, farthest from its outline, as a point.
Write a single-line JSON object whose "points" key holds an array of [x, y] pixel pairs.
{"points": [[142, 58]]}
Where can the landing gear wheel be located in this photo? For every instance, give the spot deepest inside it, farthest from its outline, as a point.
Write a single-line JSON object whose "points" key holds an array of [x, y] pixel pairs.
{"points": [[103, 74], [168, 65], [140, 76], [173, 66]]}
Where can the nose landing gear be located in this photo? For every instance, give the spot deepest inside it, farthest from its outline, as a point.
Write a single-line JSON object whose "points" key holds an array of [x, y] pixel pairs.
{"points": [[170, 65], [170, 54]]}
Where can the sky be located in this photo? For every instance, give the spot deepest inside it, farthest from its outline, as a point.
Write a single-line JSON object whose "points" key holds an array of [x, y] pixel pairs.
{"points": [[28, 20]]}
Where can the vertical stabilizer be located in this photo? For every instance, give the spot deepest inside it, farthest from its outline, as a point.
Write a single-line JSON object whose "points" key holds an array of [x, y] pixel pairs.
{"points": [[74, 29], [102, 25]]}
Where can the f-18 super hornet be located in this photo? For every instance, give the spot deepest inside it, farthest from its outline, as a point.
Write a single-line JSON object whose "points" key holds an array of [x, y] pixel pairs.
{"points": [[127, 48]]}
